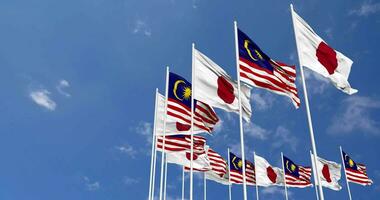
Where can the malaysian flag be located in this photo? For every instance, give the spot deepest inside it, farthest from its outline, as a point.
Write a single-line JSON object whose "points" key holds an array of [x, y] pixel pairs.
{"points": [[296, 175], [176, 143], [179, 109], [258, 70], [355, 172], [236, 171]]}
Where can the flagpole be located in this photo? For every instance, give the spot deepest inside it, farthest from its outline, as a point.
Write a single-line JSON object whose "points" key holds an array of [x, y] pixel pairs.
{"points": [[192, 122], [154, 167], [345, 173], [153, 147], [229, 176], [257, 187], [204, 186], [164, 129], [240, 111], [314, 148], [166, 175], [183, 183], [283, 168], [314, 168]]}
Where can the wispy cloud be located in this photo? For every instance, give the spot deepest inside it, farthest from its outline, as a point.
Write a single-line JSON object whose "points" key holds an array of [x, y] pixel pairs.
{"points": [[130, 181], [271, 191], [141, 27], [366, 8], [329, 33], [354, 114], [41, 97], [145, 129], [61, 86], [283, 137], [127, 149], [262, 100], [256, 131], [91, 186], [317, 83]]}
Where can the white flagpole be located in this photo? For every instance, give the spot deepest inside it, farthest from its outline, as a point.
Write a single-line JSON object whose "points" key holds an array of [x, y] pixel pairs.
{"points": [[153, 148], [240, 111], [229, 176], [345, 173], [204, 186], [283, 168], [192, 122], [314, 169], [164, 129], [257, 187], [154, 167], [166, 175], [183, 183], [307, 107]]}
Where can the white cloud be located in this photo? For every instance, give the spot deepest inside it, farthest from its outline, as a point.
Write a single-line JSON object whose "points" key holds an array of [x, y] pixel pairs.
{"points": [[145, 129], [256, 131], [91, 186], [141, 27], [41, 98], [127, 149], [283, 137], [270, 191], [262, 100], [316, 84], [61, 86], [354, 114], [130, 180], [218, 127], [367, 8]]}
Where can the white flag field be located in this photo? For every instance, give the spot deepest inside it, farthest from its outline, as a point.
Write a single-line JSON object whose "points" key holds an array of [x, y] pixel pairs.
{"points": [[215, 87], [266, 175], [317, 55], [329, 173]]}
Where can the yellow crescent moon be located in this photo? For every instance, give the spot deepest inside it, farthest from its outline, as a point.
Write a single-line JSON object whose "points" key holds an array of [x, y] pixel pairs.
{"points": [[246, 43], [287, 166], [176, 87]]}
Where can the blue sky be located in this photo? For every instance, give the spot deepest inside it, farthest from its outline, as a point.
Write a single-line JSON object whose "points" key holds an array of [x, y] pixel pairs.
{"points": [[78, 80]]}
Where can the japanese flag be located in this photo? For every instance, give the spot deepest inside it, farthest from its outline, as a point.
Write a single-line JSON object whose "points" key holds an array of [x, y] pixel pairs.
{"points": [[266, 175], [317, 55], [329, 173], [215, 87]]}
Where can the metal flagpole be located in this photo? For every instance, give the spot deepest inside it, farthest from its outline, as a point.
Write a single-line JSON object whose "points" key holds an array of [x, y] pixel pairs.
{"points": [[345, 173], [229, 176], [192, 122], [154, 167], [283, 168], [307, 107], [164, 129], [257, 187], [153, 147], [240, 111], [166, 175], [314, 168], [204, 186], [183, 183]]}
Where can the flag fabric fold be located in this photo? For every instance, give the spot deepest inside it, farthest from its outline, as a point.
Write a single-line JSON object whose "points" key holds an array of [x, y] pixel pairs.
{"points": [[318, 56], [355, 172], [329, 173], [215, 87], [259, 70], [267, 175], [296, 175]]}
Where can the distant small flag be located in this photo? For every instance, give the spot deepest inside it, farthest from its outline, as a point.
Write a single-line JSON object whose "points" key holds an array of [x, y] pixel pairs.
{"points": [[259, 70], [355, 172], [236, 171], [176, 143], [218, 171], [296, 175], [179, 108]]}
